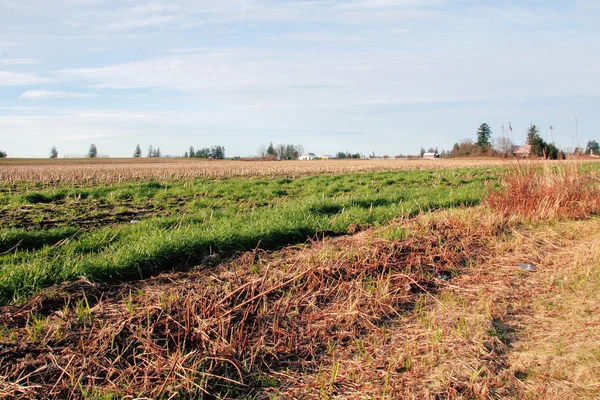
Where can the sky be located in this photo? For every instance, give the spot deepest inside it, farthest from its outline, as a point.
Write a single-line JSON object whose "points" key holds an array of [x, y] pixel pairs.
{"points": [[383, 76]]}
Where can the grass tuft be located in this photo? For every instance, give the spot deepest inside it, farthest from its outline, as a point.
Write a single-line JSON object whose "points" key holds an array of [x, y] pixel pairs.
{"points": [[533, 193]]}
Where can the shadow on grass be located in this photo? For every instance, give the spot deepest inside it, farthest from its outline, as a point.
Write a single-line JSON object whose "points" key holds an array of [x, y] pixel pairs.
{"points": [[19, 239]]}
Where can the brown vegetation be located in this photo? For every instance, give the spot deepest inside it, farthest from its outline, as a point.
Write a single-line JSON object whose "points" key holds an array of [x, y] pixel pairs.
{"points": [[545, 192]]}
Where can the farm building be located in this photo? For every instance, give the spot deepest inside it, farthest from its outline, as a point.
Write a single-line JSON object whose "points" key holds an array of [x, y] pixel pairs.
{"points": [[431, 155], [522, 151], [308, 156], [326, 157]]}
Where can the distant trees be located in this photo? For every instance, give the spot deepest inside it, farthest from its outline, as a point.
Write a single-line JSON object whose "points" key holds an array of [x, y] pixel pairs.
{"points": [[540, 148], [3, 154], [592, 147], [53, 152], [347, 154], [93, 151], [281, 151], [465, 148], [484, 135], [214, 152], [289, 151], [152, 152], [271, 150], [138, 151]]}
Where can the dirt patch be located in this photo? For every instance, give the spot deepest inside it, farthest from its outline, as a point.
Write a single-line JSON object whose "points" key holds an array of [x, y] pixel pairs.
{"points": [[86, 214]]}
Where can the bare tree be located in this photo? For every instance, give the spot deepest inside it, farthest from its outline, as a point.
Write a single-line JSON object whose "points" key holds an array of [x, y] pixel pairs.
{"points": [[262, 151], [503, 145]]}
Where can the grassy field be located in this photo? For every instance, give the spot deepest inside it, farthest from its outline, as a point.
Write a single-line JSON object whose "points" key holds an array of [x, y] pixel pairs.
{"points": [[129, 231], [297, 284]]}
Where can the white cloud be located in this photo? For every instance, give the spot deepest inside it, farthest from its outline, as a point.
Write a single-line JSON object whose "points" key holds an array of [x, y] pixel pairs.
{"points": [[18, 61], [371, 4], [339, 78], [8, 78], [140, 22], [48, 94], [87, 137]]}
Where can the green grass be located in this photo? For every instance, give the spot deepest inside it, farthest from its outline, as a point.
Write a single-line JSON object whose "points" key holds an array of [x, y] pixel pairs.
{"points": [[68, 233]]}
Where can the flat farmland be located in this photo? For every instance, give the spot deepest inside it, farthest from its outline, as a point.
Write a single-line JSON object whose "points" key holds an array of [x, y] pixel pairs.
{"points": [[112, 221], [83, 171], [320, 280]]}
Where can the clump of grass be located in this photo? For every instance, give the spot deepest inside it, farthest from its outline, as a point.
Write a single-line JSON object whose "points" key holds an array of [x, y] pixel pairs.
{"points": [[532, 192]]}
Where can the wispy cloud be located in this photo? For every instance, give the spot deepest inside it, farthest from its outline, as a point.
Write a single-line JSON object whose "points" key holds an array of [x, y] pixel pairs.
{"points": [[18, 61], [49, 94], [141, 22], [145, 15], [87, 137], [9, 78]]}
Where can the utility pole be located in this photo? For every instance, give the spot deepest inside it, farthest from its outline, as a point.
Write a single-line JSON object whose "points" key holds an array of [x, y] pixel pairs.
{"points": [[577, 133]]}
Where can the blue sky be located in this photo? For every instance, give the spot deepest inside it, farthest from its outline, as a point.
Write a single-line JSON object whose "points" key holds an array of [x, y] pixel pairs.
{"points": [[387, 76]]}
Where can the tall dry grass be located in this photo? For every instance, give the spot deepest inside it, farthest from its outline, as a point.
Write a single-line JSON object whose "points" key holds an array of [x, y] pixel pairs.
{"points": [[537, 192]]}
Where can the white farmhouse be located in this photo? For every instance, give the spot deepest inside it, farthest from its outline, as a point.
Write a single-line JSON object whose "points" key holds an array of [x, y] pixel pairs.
{"points": [[308, 156]]}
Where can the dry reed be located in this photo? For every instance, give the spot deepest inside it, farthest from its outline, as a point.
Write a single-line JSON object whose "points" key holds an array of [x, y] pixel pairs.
{"points": [[535, 192]]}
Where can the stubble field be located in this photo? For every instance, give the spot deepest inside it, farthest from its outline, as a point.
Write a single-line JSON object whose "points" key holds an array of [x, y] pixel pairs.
{"points": [[108, 171]]}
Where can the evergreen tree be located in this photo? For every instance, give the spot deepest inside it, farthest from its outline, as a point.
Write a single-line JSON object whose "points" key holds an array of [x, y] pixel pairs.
{"points": [[538, 146], [138, 151], [93, 151], [271, 150], [53, 152], [150, 151], [484, 135], [192, 153]]}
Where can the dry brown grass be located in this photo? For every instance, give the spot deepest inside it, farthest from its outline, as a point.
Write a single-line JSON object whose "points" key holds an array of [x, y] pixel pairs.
{"points": [[543, 192], [263, 315], [106, 171], [557, 355]]}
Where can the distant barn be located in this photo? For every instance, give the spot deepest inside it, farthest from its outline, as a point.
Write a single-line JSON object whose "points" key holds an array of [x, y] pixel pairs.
{"points": [[431, 155], [522, 151]]}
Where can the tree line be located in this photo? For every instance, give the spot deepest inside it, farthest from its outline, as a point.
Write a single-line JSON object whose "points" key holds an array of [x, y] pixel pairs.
{"points": [[483, 145], [281, 151], [214, 152], [347, 154]]}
